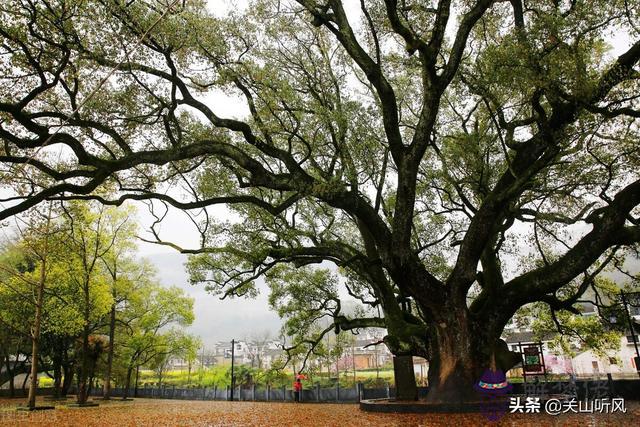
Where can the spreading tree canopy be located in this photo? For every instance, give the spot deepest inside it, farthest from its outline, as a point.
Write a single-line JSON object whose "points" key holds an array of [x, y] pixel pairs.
{"points": [[456, 159]]}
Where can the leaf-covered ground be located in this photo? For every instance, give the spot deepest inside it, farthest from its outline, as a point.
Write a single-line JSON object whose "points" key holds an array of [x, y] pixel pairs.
{"points": [[148, 412]]}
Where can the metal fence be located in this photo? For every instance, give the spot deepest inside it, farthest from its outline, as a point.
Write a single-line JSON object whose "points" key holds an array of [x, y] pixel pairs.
{"points": [[257, 393], [583, 389]]}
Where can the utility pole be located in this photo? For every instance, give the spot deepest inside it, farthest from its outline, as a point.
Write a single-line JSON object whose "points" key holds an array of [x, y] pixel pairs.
{"points": [[233, 352], [633, 332], [201, 372]]}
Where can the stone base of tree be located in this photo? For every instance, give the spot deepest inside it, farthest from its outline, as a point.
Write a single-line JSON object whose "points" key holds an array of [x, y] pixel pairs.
{"points": [[36, 408], [419, 406], [115, 399], [83, 405]]}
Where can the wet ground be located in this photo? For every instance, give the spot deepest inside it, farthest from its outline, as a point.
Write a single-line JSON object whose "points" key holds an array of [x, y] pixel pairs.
{"points": [[156, 412]]}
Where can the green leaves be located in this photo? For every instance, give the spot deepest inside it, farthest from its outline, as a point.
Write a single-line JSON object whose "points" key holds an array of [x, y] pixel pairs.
{"points": [[598, 324], [150, 326]]}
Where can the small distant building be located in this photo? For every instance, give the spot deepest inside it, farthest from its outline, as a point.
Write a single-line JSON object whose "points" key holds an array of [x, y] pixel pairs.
{"points": [[257, 354], [620, 364]]}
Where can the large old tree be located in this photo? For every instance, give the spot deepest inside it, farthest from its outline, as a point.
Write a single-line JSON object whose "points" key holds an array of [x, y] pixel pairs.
{"points": [[456, 159]]}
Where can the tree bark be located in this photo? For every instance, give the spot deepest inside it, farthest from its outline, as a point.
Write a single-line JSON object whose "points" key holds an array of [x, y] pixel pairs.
{"points": [[90, 385], [35, 347], [405, 379], [135, 387], [461, 349], [127, 382], [10, 375], [106, 391], [84, 367], [452, 375], [57, 379], [35, 336], [68, 376], [67, 380]]}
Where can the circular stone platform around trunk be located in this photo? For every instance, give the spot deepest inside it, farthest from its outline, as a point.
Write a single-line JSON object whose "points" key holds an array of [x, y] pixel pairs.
{"points": [[420, 406], [83, 405], [35, 408]]}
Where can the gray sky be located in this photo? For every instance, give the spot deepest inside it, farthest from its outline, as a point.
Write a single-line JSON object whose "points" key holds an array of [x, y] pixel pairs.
{"points": [[215, 319], [238, 318]]}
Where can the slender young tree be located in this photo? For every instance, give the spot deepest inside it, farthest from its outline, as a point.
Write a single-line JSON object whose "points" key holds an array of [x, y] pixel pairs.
{"points": [[42, 255], [145, 339], [29, 272], [90, 235], [17, 304], [124, 273]]}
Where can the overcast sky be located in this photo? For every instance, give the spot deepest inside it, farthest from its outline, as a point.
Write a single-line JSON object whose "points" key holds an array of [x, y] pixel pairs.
{"points": [[238, 318], [217, 320]]}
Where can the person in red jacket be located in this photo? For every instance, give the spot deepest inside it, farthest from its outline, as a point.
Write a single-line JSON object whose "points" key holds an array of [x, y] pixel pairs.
{"points": [[297, 389]]}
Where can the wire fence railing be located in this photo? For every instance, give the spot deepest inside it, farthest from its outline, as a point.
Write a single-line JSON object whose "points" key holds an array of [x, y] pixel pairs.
{"points": [[581, 388]]}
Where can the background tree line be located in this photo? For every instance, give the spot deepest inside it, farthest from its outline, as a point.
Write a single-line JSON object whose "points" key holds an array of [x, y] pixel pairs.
{"points": [[76, 301]]}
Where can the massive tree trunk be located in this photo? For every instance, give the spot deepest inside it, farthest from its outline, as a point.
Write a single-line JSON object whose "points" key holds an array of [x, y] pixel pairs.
{"points": [[455, 365], [461, 349], [459, 345]]}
